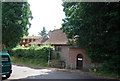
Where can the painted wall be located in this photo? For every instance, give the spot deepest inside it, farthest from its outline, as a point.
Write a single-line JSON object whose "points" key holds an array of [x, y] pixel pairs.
{"points": [[65, 56]]}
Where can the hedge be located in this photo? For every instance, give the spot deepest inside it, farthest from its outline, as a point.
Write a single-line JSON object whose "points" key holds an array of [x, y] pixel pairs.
{"points": [[37, 52]]}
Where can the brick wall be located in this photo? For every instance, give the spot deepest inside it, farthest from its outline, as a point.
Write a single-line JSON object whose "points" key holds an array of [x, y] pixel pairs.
{"points": [[73, 57], [69, 55]]}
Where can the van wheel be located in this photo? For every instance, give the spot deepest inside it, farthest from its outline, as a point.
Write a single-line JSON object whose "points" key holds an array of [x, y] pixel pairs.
{"points": [[7, 76]]}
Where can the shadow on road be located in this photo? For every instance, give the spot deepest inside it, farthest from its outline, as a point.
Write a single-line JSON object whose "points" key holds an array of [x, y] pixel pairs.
{"points": [[55, 75], [62, 80]]}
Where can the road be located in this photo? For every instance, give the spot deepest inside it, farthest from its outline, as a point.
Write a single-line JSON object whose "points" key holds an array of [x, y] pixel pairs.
{"points": [[22, 72]]}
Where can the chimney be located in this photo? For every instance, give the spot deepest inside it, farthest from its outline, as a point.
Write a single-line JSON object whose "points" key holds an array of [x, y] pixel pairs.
{"points": [[54, 27]]}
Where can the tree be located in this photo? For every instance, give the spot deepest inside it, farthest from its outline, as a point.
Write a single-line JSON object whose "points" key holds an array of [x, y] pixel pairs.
{"points": [[43, 32], [97, 27], [15, 22]]}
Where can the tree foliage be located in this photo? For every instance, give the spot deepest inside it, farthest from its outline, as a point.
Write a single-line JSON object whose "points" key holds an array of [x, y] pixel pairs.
{"points": [[15, 22], [97, 26], [43, 32]]}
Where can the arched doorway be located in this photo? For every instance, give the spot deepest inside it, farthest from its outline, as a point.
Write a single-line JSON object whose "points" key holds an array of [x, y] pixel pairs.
{"points": [[79, 61]]}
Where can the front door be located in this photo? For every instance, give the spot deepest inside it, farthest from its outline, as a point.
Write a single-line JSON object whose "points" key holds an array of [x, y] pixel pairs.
{"points": [[79, 61]]}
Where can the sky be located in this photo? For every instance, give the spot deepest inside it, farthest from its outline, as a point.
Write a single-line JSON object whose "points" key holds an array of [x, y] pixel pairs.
{"points": [[46, 13]]}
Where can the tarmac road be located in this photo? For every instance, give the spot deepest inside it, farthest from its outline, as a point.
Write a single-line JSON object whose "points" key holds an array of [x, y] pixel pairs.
{"points": [[22, 72]]}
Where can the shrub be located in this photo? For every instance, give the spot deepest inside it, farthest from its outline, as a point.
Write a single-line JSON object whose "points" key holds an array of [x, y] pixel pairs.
{"points": [[34, 51], [112, 66]]}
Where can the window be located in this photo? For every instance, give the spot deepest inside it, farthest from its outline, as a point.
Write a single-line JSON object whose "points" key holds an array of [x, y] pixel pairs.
{"points": [[33, 39], [25, 40], [30, 40], [46, 37], [58, 48], [4, 59]]}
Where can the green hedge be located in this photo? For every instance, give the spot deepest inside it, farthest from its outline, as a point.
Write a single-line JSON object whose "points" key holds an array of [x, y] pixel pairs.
{"points": [[36, 52]]}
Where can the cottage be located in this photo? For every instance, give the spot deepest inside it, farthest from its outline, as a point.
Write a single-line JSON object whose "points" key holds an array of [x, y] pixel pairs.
{"points": [[28, 39], [73, 57]]}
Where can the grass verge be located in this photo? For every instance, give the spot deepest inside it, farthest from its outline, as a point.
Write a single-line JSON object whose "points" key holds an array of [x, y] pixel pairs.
{"points": [[105, 75], [30, 62]]}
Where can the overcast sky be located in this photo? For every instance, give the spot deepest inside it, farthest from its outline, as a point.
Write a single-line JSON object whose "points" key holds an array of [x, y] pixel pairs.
{"points": [[47, 13]]}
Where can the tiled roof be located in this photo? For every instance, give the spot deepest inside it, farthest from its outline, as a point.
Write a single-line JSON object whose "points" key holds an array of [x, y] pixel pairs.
{"points": [[32, 37], [53, 37]]}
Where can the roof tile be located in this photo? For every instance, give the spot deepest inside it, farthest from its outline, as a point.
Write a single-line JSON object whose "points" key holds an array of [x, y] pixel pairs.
{"points": [[54, 37]]}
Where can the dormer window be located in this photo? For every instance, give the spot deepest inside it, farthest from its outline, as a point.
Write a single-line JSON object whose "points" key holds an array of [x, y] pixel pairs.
{"points": [[46, 37]]}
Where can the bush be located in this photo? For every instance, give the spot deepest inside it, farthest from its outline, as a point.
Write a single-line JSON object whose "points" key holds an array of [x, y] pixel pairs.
{"points": [[112, 66], [34, 51], [109, 67]]}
